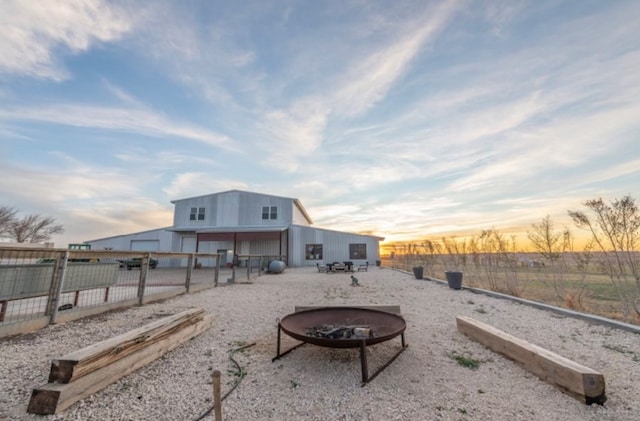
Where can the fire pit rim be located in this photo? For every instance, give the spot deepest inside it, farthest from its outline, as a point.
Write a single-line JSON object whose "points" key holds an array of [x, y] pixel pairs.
{"points": [[397, 321]]}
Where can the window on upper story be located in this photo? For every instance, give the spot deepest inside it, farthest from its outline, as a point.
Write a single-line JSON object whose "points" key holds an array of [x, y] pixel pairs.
{"points": [[269, 212], [197, 214], [357, 251]]}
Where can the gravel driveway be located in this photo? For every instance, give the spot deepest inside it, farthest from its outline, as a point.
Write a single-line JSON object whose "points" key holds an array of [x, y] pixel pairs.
{"points": [[312, 383]]}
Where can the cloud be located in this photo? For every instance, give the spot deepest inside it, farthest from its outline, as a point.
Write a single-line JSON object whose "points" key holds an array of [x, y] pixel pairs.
{"points": [[132, 120], [90, 202], [370, 79], [109, 218], [33, 32], [349, 91], [76, 184], [190, 184], [155, 160]]}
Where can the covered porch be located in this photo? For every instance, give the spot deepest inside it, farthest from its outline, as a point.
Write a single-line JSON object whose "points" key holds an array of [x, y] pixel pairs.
{"points": [[234, 242]]}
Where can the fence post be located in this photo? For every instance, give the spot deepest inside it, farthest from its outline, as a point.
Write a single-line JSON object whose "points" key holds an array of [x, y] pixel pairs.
{"points": [[217, 401], [57, 282], [233, 274], [142, 283], [189, 268], [217, 273]]}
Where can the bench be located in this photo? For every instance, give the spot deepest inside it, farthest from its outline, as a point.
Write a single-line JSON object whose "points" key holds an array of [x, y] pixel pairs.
{"points": [[339, 267], [322, 268]]}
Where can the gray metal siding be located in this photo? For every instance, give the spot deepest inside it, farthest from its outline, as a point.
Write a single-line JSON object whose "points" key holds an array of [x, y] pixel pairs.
{"points": [[232, 209], [214, 246], [182, 211], [123, 242], [251, 205], [297, 217], [267, 247], [335, 245], [228, 206]]}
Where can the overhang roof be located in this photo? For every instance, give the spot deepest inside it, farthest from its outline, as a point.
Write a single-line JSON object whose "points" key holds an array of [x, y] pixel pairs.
{"points": [[229, 229]]}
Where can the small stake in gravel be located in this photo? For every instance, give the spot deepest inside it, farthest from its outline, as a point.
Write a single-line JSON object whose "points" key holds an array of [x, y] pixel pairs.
{"points": [[217, 401]]}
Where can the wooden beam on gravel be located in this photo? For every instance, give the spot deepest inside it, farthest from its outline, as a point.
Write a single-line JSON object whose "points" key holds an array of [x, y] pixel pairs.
{"points": [[572, 378], [101, 370], [84, 361]]}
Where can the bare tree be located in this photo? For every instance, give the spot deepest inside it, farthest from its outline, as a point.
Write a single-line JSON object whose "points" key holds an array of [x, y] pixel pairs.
{"points": [[33, 229], [432, 249], [555, 246], [615, 230], [546, 241], [7, 216], [494, 257]]}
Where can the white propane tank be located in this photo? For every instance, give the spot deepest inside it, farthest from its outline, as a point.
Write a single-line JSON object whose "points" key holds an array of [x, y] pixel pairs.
{"points": [[276, 266]]}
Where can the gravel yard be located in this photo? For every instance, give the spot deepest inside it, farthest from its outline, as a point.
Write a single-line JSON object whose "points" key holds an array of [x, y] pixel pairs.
{"points": [[313, 383]]}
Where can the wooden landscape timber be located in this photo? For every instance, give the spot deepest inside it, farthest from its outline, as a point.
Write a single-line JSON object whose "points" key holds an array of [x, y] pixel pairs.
{"points": [[581, 382], [76, 364], [81, 373]]}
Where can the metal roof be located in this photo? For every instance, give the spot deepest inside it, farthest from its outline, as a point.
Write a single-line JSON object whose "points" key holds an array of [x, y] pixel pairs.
{"points": [[229, 229]]}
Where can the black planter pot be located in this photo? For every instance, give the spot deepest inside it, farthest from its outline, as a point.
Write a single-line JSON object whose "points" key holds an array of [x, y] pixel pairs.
{"points": [[418, 271], [454, 279]]}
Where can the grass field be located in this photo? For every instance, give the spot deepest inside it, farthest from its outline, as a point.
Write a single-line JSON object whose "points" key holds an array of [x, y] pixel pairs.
{"points": [[563, 285]]}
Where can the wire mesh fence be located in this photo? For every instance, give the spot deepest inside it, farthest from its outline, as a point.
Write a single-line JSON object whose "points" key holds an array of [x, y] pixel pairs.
{"points": [[48, 283]]}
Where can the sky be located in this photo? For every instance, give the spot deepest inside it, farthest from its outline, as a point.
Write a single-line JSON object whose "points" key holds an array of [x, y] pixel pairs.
{"points": [[402, 119]]}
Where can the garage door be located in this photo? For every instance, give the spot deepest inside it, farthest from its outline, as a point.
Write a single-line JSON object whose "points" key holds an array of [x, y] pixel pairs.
{"points": [[145, 245], [188, 244]]}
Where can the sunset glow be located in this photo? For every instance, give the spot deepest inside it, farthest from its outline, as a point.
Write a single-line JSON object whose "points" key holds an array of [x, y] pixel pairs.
{"points": [[406, 120]]}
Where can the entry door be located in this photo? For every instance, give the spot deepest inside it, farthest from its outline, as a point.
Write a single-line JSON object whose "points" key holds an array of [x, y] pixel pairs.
{"points": [[188, 246], [223, 257]]}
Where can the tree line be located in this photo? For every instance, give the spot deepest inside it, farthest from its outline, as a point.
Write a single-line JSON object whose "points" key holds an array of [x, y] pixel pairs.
{"points": [[31, 228], [612, 249]]}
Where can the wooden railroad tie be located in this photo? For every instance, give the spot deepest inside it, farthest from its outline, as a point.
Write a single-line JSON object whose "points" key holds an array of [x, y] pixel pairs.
{"points": [[78, 374], [572, 378]]}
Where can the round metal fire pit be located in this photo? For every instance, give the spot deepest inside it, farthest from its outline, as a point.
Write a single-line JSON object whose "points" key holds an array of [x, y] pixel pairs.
{"points": [[382, 325]]}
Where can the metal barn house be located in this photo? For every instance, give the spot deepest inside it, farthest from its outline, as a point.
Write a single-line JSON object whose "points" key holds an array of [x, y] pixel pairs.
{"points": [[240, 223]]}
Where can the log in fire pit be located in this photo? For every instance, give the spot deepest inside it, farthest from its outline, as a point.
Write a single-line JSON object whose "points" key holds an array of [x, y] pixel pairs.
{"points": [[344, 327]]}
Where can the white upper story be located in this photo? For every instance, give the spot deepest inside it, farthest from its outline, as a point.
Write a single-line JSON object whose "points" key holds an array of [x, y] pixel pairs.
{"points": [[237, 208]]}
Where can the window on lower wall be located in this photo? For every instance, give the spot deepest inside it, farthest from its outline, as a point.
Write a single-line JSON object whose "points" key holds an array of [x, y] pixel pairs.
{"points": [[313, 251], [357, 251]]}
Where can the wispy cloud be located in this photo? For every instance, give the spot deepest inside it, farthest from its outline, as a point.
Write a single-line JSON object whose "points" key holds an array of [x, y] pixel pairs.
{"points": [[189, 184], [368, 81], [351, 90], [404, 119], [133, 120], [81, 182], [88, 201], [32, 32], [298, 130]]}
